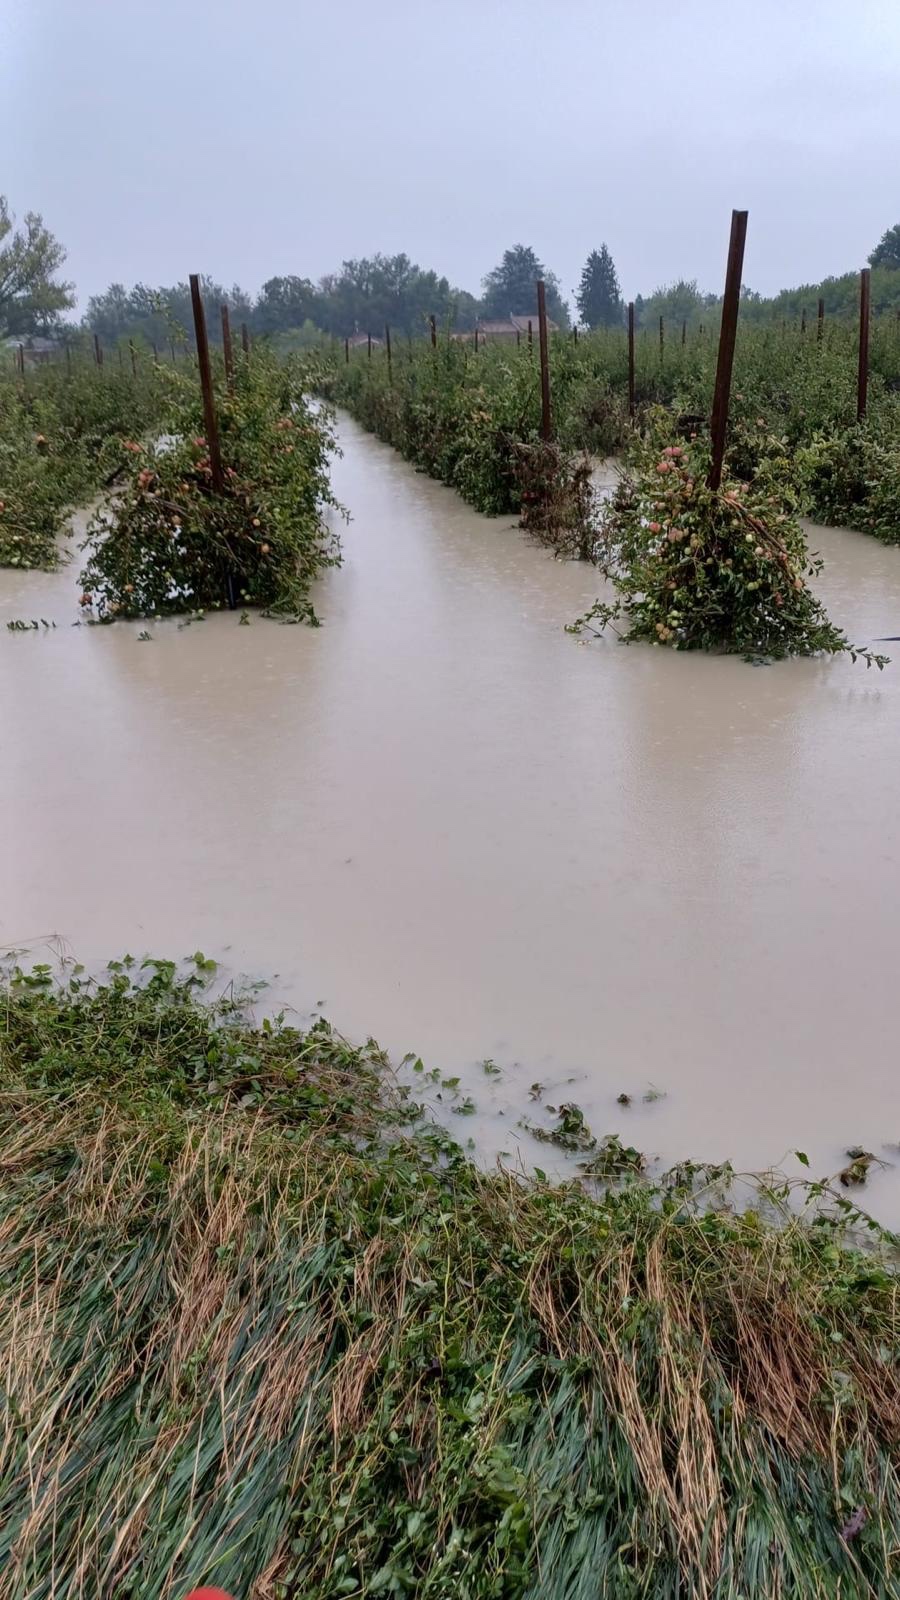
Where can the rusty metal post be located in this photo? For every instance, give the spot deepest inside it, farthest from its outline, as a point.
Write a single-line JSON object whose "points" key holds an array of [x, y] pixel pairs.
{"points": [[346, 352], [232, 577], [227, 351], [803, 319], [476, 338], [662, 338], [369, 345], [631, 358], [206, 386], [862, 380], [387, 342], [546, 420], [98, 350], [68, 359], [245, 339], [684, 332], [530, 336], [133, 353], [433, 324], [731, 302], [820, 327], [575, 334], [20, 359], [518, 338]]}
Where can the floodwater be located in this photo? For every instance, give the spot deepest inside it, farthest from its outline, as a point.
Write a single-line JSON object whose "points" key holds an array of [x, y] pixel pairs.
{"points": [[469, 835]]}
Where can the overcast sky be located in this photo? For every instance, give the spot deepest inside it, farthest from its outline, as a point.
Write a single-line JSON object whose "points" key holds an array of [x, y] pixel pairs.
{"points": [[161, 137]]}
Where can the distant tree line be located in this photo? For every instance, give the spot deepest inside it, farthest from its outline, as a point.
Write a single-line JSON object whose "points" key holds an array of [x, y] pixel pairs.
{"points": [[363, 297], [368, 293], [685, 302]]}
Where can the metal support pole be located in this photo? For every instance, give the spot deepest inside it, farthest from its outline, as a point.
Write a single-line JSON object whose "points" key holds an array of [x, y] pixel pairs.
{"points": [[546, 420], [862, 379], [206, 386], [727, 337], [631, 358]]}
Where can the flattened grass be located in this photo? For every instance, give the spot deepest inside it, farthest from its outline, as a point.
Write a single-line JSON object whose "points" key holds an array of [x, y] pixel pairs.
{"points": [[259, 1328]]}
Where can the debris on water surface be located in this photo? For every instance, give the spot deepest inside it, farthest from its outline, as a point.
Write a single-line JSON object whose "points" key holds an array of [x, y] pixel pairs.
{"points": [[608, 1158], [465, 1108], [571, 1131], [613, 1159], [857, 1169]]}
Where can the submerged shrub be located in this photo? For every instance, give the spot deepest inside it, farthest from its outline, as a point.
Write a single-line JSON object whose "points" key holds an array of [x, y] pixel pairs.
{"points": [[472, 420], [169, 542], [557, 502], [30, 506], [59, 439], [722, 569], [853, 478]]}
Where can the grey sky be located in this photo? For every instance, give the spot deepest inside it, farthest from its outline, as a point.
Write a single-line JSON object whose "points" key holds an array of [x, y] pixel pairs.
{"points": [[161, 137]]}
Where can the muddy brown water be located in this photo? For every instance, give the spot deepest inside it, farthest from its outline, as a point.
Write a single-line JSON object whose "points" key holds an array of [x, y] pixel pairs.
{"points": [[470, 835]]}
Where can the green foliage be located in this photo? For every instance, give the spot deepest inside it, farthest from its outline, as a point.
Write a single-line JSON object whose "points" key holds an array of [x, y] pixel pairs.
{"points": [[712, 569], [431, 406], [363, 296], [676, 303], [60, 435], [840, 294], [31, 295], [471, 418], [853, 476], [162, 1051], [291, 340], [887, 250], [598, 298], [285, 303], [368, 292], [378, 290], [169, 542], [260, 1331], [509, 288], [472, 421], [32, 497], [156, 316], [462, 415], [571, 1132]]}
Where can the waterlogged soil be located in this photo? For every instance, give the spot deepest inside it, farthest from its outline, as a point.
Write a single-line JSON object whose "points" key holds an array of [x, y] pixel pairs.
{"points": [[442, 820]]}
